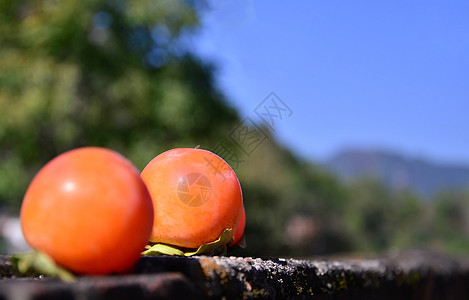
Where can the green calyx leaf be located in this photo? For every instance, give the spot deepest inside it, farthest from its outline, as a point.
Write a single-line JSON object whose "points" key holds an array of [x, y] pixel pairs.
{"points": [[161, 249], [217, 247], [39, 263]]}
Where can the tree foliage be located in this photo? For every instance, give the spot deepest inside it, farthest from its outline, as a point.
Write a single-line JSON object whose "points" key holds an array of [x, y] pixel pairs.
{"points": [[106, 73]]}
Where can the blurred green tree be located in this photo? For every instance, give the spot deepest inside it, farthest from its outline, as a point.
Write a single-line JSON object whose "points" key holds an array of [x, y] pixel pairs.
{"points": [[107, 73], [450, 226], [370, 212]]}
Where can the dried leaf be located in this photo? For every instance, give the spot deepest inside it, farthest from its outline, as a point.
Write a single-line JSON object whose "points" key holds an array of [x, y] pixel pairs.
{"points": [[217, 247], [161, 249]]}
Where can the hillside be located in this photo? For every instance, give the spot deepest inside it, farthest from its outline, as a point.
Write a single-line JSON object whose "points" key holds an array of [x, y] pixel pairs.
{"points": [[398, 171]]}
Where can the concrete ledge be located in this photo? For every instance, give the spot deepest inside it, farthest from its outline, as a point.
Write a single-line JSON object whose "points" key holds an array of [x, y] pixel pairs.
{"points": [[409, 275]]}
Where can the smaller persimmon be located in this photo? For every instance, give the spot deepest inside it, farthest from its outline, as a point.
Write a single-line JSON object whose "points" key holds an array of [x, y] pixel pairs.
{"points": [[196, 196]]}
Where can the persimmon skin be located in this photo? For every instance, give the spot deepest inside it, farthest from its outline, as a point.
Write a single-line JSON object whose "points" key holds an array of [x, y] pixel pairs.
{"points": [[240, 229], [89, 210], [179, 221]]}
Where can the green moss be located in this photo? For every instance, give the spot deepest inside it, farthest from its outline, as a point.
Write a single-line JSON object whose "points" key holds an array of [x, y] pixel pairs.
{"points": [[255, 293]]}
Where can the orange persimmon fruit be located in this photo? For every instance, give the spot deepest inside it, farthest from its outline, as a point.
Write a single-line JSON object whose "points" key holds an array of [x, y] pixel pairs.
{"points": [[89, 210], [196, 196]]}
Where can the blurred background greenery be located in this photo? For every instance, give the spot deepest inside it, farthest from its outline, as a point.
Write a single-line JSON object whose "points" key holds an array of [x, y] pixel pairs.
{"points": [[120, 74]]}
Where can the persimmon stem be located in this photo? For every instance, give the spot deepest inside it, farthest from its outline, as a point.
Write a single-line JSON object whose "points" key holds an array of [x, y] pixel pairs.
{"points": [[197, 147]]}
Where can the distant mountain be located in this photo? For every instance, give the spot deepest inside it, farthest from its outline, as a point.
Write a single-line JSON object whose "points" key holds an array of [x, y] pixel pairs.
{"points": [[398, 171]]}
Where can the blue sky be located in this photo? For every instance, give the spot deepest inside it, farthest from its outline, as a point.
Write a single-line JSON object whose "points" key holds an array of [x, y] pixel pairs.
{"points": [[355, 73]]}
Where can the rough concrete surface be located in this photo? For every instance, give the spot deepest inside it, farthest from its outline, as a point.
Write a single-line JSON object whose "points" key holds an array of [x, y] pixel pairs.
{"points": [[408, 275]]}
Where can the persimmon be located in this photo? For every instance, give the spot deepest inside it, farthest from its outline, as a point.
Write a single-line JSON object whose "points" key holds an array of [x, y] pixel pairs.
{"points": [[196, 195], [240, 229], [89, 210]]}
